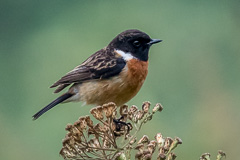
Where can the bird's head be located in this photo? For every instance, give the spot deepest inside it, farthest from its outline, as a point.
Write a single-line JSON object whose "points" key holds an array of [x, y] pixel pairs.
{"points": [[133, 43]]}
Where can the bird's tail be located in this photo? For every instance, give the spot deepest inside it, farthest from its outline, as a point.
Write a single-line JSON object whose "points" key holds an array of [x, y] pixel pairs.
{"points": [[52, 104]]}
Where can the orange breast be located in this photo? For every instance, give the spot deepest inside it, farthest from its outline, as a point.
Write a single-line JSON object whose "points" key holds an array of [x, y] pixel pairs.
{"points": [[119, 89], [137, 72]]}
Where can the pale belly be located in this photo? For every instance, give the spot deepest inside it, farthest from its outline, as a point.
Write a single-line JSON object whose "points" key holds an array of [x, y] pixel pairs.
{"points": [[116, 90]]}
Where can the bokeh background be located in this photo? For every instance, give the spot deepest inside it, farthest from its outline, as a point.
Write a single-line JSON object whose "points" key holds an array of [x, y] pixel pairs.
{"points": [[194, 72]]}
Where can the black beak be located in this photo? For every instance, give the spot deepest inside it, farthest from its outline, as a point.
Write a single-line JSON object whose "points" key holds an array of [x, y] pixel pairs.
{"points": [[153, 41]]}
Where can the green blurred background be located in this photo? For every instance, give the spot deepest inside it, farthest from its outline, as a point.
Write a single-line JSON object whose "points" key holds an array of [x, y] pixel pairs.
{"points": [[194, 72]]}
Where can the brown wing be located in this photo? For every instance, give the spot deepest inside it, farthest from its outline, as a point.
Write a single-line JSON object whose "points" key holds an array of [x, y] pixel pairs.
{"points": [[99, 66]]}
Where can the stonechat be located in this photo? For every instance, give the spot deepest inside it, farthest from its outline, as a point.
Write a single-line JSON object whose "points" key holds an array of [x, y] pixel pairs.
{"points": [[113, 74]]}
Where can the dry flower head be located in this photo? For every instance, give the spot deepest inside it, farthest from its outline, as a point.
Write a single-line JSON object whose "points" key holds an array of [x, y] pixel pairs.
{"points": [[114, 136]]}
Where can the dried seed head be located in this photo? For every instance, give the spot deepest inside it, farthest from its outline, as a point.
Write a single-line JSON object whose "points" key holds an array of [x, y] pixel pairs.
{"points": [[174, 144], [132, 110], [89, 121], [80, 125], [69, 127], [157, 107], [143, 140], [123, 110], [97, 112], [168, 142], [172, 156], [146, 106], [160, 140], [205, 156], [221, 154], [109, 109], [139, 115], [179, 141], [131, 113], [161, 156]]}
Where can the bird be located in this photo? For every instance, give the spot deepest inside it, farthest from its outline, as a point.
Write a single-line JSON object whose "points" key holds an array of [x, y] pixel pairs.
{"points": [[113, 74]]}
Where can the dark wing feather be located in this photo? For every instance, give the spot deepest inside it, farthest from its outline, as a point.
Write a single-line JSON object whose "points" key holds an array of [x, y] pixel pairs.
{"points": [[109, 68], [100, 65]]}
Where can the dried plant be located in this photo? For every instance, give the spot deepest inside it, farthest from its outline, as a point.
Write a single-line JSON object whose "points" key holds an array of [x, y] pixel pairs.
{"points": [[206, 156], [115, 136]]}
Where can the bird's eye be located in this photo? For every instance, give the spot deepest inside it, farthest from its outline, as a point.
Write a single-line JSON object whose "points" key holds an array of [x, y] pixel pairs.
{"points": [[136, 43]]}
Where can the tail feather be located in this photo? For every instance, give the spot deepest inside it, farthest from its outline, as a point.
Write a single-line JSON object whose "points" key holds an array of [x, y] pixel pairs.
{"points": [[52, 104]]}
